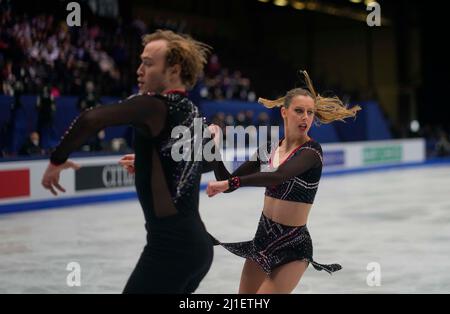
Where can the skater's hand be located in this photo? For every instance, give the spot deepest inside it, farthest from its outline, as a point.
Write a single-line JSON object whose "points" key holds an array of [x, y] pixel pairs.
{"points": [[216, 132], [127, 162], [50, 179], [216, 187]]}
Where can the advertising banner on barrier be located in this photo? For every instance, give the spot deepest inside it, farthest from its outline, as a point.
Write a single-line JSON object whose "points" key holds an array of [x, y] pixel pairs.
{"points": [[359, 155], [14, 183], [102, 178], [362, 155], [334, 158], [110, 176], [98, 178], [382, 154]]}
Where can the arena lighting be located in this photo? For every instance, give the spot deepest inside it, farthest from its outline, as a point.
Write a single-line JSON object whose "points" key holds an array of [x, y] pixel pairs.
{"points": [[281, 3], [330, 9], [298, 5], [415, 126], [264, 1], [355, 1], [312, 5]]}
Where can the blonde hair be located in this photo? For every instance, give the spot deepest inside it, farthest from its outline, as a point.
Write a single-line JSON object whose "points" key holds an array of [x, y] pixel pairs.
{"points": [[327, 109], [182, 49]]}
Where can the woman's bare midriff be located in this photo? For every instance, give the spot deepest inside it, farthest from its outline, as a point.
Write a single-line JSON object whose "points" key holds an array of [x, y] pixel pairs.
{"points": [[286, 213]]}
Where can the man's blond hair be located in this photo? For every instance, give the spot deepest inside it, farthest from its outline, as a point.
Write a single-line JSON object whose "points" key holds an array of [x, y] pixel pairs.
{"points": [[182, 49]]}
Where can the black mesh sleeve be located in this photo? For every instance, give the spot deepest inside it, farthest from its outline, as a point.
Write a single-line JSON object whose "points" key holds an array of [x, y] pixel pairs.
{"points": [[221, 172], [142, 111], [299, 164]]}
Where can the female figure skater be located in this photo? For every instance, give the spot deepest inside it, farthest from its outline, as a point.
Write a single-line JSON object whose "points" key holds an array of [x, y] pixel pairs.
{"points": [[179, 251], [282, 248]]}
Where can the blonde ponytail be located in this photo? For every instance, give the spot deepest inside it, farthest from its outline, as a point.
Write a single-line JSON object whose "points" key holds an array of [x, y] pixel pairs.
{"points": [[280, 102], [330, 109], [327, 109]]}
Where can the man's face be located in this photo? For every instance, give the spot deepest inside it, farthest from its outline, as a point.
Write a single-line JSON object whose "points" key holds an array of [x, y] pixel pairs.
{"points": [[152, 73]]}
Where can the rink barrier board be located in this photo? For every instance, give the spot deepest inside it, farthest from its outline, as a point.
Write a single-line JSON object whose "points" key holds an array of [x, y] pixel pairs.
{"points": [[101, 179]]}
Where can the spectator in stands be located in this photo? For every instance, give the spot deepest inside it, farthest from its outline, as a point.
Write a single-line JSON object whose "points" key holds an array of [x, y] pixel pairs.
{"points": [[263, 119], [119, 145], [7, 78], [213, 68], [31, 146], [3, 140], [240, 119], [442, 147], [89, 99], [46, 108], [229, 120], [249, 114], [219, 119], [9, 133], [96, 143]]}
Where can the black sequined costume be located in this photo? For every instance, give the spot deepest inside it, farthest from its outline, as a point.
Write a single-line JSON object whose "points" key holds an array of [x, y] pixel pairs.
{"points": [[295, 180], [179, 251]]}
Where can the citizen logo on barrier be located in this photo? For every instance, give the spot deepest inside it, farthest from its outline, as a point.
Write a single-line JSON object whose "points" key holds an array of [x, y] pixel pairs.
{"points": [[102, 177], [116, 176]]}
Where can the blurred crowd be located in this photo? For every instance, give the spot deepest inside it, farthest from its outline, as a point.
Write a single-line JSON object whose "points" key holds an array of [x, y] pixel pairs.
{"points": [[218, 83], [41, 50], [41, 55], [38, 51]]}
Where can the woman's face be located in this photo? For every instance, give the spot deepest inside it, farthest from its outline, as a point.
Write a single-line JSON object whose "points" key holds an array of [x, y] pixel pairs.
{"points": [[299, 117]]}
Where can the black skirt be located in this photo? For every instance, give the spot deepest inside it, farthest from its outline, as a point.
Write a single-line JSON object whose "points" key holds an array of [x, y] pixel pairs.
{"points": [[275, 244]]}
